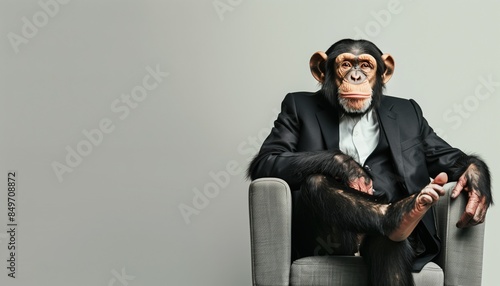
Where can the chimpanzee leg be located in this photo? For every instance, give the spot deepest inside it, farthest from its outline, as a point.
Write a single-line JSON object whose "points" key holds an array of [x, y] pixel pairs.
{"points": [[350, 210], [346, 209], [389, 262], [385, 248]]}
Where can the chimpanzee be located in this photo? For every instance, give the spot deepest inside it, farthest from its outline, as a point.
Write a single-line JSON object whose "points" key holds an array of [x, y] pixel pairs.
{"points": [[365, 168]]}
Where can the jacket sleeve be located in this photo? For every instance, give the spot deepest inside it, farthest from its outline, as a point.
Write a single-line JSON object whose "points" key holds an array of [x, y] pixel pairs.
{"points": [[279, 157], [440, 156]]}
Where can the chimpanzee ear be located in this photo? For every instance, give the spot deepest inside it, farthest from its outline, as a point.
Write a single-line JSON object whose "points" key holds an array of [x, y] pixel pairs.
{"points": [[389, 67], [317, 65]]}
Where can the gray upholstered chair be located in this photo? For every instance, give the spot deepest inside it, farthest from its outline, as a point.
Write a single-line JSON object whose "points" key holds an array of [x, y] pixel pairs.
{"points": [[459, 263]]}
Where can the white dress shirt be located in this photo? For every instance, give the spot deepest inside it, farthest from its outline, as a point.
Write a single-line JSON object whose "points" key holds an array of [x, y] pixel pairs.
{"points": [[358, 136]]}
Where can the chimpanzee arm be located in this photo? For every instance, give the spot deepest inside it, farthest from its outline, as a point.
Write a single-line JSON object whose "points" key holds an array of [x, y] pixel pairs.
{"points": [[279, 157], [280, 148], [439, 155]]}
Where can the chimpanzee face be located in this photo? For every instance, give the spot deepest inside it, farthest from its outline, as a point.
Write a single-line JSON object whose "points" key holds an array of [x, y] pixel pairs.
{"points": [[355, 77], [352, 74]]}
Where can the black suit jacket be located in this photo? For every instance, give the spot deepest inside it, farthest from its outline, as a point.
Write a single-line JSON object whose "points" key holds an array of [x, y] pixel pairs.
{"points": [[308, 122]]}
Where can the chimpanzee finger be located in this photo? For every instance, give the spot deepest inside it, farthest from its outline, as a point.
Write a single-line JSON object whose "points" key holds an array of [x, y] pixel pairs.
{"points": [[369, 186], [466, 219], [461, 183], [481, 211], [362, 185]]}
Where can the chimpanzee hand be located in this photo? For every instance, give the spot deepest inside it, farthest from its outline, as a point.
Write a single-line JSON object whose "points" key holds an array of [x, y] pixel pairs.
{"points": [[353, 174], [362, 183], [472, 182]]}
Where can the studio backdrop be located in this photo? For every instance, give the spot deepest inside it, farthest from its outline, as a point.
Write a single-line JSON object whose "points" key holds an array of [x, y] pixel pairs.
{"points": [[127, 126]]}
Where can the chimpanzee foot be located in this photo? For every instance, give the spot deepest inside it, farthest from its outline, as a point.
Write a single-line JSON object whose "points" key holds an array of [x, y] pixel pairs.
{"points": [[422, 202]]}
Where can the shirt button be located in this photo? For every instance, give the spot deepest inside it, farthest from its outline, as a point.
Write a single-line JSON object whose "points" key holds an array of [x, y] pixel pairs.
{"points": [[356, 133]]}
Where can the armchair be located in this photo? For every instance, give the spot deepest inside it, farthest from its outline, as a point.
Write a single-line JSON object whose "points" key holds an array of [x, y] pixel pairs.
{"points": [[270, 205]]}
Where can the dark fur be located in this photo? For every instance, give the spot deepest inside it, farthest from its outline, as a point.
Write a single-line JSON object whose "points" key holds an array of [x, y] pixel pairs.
{"points": [[348, 209], [389, 262], [330, 163], [479, 180], [347, 212]]}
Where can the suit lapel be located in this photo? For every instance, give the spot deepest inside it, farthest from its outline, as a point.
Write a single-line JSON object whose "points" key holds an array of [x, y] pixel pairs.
{"points": [[390, 127]]}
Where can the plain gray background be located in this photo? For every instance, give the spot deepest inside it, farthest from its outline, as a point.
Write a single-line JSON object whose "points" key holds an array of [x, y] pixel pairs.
{"points": [[160, 197]]}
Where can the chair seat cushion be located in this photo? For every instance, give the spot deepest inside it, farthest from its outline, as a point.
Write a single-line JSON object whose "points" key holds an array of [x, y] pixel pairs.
{"points": [[350, 271]]}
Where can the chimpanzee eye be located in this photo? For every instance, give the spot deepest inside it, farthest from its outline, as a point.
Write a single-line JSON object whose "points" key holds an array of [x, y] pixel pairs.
{"points": [[366, 66], [346, 64]]}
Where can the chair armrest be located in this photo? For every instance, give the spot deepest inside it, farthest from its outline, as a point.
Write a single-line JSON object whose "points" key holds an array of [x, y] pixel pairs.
{"points": [[461, 256], [270, 206]]}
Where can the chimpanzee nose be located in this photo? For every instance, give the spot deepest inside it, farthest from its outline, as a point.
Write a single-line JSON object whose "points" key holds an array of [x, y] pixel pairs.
{"points": [[356, 77]]}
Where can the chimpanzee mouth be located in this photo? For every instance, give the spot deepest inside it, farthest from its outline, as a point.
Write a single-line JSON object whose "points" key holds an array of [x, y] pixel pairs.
{"points": [[355, 95]]}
